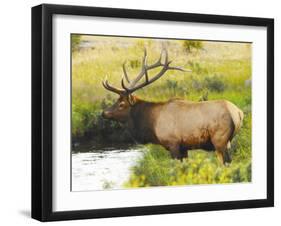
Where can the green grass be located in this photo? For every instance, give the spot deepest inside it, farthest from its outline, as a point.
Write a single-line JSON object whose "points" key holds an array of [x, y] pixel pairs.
{"points": [[156, 168], [219, 71]]}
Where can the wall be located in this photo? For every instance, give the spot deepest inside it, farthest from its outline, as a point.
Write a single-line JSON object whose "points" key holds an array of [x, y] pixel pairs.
{"points": [[15, 111]]}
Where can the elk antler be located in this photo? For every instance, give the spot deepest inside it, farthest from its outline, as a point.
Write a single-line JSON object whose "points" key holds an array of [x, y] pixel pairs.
{"points": [[144, 72], [112, 89], [132, 85]]}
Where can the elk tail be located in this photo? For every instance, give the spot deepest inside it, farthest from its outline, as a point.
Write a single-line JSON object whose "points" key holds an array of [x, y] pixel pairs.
{"points": [[239, 123], [237, 117]]}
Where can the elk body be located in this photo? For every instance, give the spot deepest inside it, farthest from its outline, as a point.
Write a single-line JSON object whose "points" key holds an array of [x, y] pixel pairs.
{"points": [[177, 125]]}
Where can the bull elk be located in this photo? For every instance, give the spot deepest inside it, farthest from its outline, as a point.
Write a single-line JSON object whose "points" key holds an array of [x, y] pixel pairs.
{"points": [[178, 125]]}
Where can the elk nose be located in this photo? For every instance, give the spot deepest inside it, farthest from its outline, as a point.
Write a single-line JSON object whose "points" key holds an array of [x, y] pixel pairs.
{"points": [[106, 114]]}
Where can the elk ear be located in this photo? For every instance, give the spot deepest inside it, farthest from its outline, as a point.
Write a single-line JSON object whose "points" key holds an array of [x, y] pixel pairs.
{"points": [[132, 99]]}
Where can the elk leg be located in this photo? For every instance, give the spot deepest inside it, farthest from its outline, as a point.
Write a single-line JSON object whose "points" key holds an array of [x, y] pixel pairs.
{"points": [[220, 140], [220, 157], [175, 151], [227, 157], [223, 155], [221, 152], [183, 153]]}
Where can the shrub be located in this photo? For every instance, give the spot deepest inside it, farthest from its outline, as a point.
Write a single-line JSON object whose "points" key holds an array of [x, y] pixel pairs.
{"points": [[241, 144], [198, 68], [75, 41], [134, 63], [151, 170], [190, 45], [172, 85], [197, 85], [87, 121], [83, 116], [214, 84], [156, 168]]}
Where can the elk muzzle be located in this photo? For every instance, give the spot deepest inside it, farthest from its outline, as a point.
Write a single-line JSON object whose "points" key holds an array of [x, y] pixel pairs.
{"points": [[106, 114]]}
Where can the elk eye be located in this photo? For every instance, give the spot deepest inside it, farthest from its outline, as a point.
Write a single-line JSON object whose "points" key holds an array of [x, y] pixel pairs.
{"points": [[121, 105]]}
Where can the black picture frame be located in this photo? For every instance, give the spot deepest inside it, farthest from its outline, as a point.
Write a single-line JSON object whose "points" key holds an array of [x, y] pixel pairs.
{"points": [[42, 107]]}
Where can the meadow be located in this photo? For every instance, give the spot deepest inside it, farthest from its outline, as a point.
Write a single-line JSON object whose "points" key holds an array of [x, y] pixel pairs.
{"points": [[220, 70]]}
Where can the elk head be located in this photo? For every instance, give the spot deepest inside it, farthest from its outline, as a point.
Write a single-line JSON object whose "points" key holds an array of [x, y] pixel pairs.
{"points": [[120, 110]]}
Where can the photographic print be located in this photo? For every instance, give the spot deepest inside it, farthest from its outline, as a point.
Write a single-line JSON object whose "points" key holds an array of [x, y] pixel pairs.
{"points": [[152, 112]]}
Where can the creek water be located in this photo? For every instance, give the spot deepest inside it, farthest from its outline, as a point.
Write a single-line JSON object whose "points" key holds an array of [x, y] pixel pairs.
{"points": [[107, 168]]}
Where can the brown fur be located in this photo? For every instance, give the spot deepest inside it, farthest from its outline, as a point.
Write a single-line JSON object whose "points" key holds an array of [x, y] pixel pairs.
{"points": [[180, 125]]}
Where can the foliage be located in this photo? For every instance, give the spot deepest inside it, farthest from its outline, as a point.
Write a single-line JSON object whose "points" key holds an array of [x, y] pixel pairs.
{"points": [[190, 45], [214, 83], [88, 122], [156, 168], [75, 41], [108, 185]]}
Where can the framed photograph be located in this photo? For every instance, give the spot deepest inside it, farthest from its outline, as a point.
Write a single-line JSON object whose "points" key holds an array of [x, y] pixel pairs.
{"points": [[146, 112]]}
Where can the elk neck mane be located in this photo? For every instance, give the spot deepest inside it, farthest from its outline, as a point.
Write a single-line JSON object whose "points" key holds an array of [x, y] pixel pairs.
{"points": [[142, 119]]}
